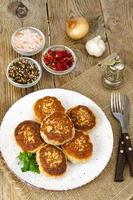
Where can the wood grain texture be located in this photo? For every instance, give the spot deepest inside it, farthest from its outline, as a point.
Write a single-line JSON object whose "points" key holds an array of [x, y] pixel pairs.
{"points": [[9, 22], [60, 12], [118, 17], [112, 19]]}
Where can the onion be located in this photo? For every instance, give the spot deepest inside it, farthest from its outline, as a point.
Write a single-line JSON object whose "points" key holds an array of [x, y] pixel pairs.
{"points": [[77, 27]]}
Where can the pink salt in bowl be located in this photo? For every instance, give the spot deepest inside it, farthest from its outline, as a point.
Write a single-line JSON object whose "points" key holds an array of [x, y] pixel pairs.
{"points": [[28, 41]]}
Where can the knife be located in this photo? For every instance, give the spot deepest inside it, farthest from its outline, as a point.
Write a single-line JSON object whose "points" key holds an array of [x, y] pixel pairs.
{"points": [[121, 161], [126, 138]]}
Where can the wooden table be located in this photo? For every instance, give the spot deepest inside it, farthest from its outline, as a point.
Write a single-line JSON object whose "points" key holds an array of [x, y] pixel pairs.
{"points": [[112, 19]]}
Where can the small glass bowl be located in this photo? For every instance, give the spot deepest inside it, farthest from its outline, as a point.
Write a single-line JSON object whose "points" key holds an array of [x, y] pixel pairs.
{"points": [[28, 53], [59, 47], [27, 85]]}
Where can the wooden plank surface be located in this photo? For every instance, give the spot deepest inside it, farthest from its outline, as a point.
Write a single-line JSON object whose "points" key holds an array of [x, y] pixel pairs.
{"points": [[113, 20], [60, 12], [118, 18]]}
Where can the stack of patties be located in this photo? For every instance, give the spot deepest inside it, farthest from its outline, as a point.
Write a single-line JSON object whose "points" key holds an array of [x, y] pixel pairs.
{"points": [[57, 135], [80, 148], [56, 129]]}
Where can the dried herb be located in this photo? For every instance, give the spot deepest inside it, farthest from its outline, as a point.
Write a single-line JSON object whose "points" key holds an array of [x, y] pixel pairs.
{"points": [[23, 72]]}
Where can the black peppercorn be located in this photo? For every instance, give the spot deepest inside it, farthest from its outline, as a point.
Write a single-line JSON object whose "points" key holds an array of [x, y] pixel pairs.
{"points": [[23, 71]]}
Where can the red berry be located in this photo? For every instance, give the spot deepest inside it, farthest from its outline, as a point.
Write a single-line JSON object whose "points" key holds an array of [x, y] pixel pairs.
{"points": [[65, 65], [59, 67], [59, 54], [62, 60], [46, 62], [69, 55], [70, 64], [51, 52], [58, 60], [65, 53], [51, 58]]}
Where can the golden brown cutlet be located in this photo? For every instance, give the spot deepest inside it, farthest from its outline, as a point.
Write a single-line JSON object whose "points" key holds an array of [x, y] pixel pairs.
{"points": [[47, 106], [57, 129], [79, 149], [27, 136], [82, 117], [51, 160]]}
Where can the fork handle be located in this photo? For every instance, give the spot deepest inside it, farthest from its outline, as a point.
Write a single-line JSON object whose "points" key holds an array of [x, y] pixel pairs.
{"points": [[128, 151], [121, 160]]}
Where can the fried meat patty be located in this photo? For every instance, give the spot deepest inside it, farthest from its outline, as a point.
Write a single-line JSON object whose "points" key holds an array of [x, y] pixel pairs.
{"points": [[51, 160], [27, 136], [57, 129], [47, 106], [82, 117], [79, 149]]}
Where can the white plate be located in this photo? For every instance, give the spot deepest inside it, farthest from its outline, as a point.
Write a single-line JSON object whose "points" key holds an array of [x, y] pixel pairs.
{"points": [[77, 175]]}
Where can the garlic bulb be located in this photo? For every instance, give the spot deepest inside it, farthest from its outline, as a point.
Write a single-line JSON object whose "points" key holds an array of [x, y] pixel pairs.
{"points": [[95, 46]]}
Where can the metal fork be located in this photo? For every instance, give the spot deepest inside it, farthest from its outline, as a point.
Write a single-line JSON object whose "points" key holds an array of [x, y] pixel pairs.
{"points": [[117, 111], [116, 107]]}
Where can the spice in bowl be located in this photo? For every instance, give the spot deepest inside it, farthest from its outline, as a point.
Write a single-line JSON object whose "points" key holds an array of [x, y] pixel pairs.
{"points": [[24, 72], [28, 41], [58, 59]]}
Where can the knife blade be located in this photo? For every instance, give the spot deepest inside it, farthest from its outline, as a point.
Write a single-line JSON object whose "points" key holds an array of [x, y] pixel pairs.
{"points": [[126, 113]]}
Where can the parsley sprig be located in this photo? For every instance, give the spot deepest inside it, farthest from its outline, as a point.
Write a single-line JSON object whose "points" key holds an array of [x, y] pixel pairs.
{"points": [[28, 161]]}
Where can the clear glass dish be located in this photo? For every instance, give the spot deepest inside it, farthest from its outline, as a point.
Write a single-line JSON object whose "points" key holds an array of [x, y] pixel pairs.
{"points": [[27, 85], [28, 53], [59, 47]]}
